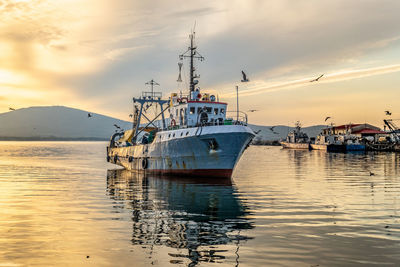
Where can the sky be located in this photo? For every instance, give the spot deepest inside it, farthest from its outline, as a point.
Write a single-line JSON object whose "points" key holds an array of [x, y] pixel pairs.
{"points": [[98, 54]]}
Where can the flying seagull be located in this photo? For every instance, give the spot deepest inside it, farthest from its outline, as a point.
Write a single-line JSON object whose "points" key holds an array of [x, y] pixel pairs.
{"points": [[388, 112], [272, 130], [12, 109], [245, 79], [130, 115], [256, 132], [252, 110], [327, 118], [89, 115], [316, 79]]}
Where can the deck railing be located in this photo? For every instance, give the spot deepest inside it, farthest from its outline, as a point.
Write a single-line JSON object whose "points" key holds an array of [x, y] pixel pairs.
{"points": [[237, 117]]}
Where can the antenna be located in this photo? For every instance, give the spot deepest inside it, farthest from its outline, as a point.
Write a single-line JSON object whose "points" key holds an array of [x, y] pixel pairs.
{"points": [[194, 28], [193, 54], [152, 83]]}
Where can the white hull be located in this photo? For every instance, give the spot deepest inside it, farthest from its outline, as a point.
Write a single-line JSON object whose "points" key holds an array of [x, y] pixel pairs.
{"points": [[199, 151]]}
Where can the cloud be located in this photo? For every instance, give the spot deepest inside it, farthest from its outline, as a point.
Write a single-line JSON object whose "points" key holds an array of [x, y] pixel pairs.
{"points": [[119, 52], [261, 87], [193, 12], [103, 52]]}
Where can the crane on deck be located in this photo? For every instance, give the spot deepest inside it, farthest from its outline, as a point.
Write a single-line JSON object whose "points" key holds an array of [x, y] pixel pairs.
{"points": [[394, 130]]}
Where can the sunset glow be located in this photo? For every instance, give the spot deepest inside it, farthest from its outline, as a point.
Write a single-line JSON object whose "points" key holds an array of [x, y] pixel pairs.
{"points": [[96, 55]]}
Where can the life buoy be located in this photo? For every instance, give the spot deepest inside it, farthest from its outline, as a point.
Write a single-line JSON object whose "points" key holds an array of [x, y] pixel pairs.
{"points": [[173, 122], [144, 163], [203, 118]]}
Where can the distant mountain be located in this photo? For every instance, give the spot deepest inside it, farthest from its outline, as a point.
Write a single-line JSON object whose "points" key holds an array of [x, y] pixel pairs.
{"points": [[280, 131], [57, 123], [63, 123]]}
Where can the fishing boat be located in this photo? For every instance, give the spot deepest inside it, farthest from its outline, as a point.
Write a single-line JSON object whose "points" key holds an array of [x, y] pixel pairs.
{"points": [[321, 143], [195, 139], [297, 139], [338, 143], [344, 138]]}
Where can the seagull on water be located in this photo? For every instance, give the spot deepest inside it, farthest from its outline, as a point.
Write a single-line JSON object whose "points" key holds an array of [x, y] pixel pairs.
{"points": [[116, 126], [317, 79], [89, 115]]}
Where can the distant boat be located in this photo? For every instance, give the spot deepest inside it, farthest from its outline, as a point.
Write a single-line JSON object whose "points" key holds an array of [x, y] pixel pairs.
{"points": [[344, 138], [297, 139]]}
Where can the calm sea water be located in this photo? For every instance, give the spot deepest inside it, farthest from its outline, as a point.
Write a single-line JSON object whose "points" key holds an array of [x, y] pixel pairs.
{"points": [[62, 204]]}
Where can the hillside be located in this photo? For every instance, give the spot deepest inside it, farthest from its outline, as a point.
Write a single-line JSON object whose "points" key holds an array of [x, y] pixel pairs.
{"points": [[56, 122], [63, 123]]}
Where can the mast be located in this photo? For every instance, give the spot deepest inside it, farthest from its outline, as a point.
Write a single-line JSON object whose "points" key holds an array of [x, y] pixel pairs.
{"points": [[193, 54]]}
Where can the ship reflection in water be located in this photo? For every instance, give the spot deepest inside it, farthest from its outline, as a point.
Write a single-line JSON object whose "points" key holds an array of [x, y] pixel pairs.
{"points": [[195, 216]]}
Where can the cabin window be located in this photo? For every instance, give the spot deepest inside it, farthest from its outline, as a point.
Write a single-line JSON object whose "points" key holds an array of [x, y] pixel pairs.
{"points": [[187, 133], [222, 111], [192, 110], [208, 109], [199, 110], [215, 111]]}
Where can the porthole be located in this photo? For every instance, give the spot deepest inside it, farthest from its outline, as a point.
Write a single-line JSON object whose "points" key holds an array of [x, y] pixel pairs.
{"points": [[169, 135], [181, 133], [187, 133], [173, 135]]}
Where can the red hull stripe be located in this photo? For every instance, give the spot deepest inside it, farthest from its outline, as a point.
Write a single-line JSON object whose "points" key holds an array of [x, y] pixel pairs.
{"points": [[220, 173], [191, 101]]}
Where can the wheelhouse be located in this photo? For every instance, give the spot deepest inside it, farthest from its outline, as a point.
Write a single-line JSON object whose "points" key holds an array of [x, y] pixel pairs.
{"points": [[202, 110]]}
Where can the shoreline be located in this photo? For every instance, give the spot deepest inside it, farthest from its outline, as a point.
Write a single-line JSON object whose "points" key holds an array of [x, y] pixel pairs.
{"points": [[51, 138]]}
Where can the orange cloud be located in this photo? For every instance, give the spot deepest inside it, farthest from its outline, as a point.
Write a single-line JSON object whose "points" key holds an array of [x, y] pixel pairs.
{"points": [[261, 87]]}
